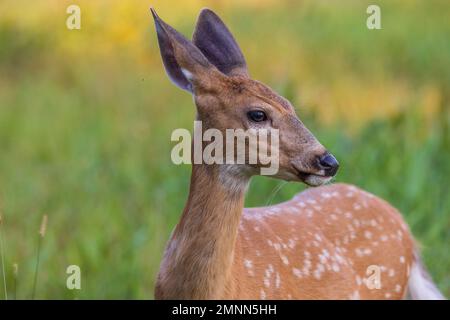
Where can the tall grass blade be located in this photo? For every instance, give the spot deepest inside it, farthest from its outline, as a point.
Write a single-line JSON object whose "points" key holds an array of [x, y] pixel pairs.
{"points": [[42, 231], [2, 257], [16, 278]]}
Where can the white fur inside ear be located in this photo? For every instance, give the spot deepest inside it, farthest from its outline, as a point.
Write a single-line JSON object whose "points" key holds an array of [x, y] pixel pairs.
{"points": [[187, 74]]}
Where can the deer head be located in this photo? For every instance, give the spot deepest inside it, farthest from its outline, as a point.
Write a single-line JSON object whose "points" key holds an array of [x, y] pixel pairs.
{"points": [[213, 69]]}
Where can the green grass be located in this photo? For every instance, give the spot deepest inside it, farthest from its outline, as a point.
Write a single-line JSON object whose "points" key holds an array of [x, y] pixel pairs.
{"points": [[86, 139]]}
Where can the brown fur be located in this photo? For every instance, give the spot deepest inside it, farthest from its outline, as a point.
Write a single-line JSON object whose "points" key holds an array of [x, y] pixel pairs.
{"points": [[316, 246]]}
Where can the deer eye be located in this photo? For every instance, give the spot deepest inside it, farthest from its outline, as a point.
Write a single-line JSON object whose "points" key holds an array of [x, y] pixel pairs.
{"points": [[257, 115]]}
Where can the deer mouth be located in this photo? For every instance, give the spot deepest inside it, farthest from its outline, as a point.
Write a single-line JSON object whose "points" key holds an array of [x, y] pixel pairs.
{"points": [[312, 179]]}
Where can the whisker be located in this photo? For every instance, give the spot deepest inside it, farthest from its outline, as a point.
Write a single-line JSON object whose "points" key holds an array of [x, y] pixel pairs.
{"points": [[275, 191]]}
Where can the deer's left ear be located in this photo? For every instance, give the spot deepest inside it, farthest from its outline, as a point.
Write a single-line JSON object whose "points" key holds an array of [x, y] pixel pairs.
{"points": [[216, 42], [185, 64]]}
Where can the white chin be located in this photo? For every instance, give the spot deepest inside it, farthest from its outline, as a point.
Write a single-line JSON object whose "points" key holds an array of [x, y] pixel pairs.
{"points": [[314, 180]]}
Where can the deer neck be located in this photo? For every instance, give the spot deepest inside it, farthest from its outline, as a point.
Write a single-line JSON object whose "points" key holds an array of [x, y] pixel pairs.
{"points": [[199, 256]]}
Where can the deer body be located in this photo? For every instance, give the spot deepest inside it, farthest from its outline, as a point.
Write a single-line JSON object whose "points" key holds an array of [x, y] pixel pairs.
{"points": [[321, 245], [326, 243], [318, 245]]}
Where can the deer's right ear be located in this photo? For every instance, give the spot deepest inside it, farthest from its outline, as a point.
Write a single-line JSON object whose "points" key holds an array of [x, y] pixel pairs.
{"points": [[185, 65], [218, 45]]}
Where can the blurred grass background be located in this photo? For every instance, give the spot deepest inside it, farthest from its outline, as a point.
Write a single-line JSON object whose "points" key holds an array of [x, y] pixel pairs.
{"points": [[86, 117]]}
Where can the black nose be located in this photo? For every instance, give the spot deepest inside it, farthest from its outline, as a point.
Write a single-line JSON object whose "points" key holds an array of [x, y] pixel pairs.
{"points": [[329, 164]]}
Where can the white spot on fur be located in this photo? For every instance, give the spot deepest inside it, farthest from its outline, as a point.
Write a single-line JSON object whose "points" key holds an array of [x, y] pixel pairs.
{"points": [[335, 267], [262, 295], [317, 274], [326, 195], [355, 296], [297, 272], [306, 267], [391, 273], [359, 252], [291, 243], [368, 234], [249, 265], [277, 280]]}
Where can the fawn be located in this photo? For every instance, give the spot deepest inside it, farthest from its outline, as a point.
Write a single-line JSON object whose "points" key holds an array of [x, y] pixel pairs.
{"points": [[321, 244]]}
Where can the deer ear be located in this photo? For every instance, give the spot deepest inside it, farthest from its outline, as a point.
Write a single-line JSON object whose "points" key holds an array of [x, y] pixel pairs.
{"points": [[216, 42], [185, 64]]}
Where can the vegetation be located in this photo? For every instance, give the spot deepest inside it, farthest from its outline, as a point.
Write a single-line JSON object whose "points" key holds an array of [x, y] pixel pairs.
{"points": [[86, 117]]}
